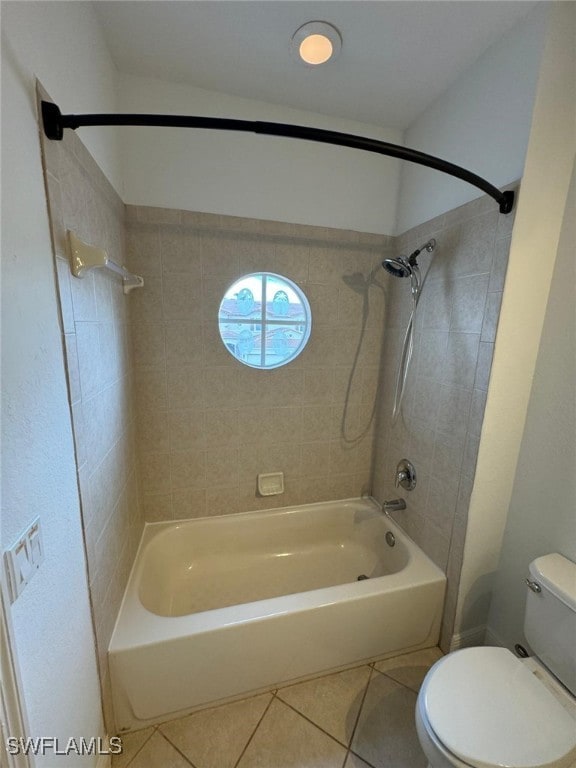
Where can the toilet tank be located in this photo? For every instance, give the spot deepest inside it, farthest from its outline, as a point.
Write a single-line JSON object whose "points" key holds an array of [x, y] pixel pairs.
{"points": [[550, 618]]}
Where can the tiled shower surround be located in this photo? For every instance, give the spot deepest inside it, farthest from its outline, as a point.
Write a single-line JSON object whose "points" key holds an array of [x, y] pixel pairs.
{"points": [[94, 320], [441, 419], [169, 425], [207, 424]]}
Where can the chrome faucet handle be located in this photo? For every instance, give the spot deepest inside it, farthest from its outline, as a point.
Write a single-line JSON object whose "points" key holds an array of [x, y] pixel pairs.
{"points": [[401, 477], [405, 475]]}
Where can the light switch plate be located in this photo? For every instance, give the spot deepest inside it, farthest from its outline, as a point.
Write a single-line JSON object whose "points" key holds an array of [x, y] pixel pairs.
{"points": [[23, 558]]}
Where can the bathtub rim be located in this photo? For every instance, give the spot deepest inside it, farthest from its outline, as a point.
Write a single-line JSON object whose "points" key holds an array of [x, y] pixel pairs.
{"points": [[135, 621]]}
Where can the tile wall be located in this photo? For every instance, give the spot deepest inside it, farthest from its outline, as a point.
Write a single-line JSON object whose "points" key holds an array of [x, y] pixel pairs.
{"points": [[94, 321], [439, 428], [207, 424]]}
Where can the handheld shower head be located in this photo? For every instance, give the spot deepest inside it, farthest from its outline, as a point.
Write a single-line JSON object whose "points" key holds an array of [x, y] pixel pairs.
{"points": [[397, 267], [404, 266]]}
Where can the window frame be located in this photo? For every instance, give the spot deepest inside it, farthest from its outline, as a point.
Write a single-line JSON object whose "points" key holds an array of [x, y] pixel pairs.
{"points": [[264, 320]]}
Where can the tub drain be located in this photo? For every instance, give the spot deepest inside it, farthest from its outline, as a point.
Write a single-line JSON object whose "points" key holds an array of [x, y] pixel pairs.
{"points": [[362, 577]]}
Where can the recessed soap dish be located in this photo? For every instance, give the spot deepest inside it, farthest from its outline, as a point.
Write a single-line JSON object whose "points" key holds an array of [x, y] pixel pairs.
{"points": [[271, 484]]}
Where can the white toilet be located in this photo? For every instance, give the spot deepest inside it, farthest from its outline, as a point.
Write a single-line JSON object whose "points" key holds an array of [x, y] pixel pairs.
{"points": [[486, 708]]}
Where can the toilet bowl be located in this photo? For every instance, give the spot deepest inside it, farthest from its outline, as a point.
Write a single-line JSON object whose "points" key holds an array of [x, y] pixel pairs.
{"points": [[486, 708]]}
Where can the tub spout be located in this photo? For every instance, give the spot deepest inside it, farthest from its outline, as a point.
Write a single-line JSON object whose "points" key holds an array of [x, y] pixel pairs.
{"points": [[394, 505]]}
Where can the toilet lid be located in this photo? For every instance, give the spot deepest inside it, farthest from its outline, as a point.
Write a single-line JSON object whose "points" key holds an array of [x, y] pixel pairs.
{"points": [[489, 710]]}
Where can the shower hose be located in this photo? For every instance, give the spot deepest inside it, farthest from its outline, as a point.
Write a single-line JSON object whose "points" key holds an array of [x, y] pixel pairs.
{"points": [[416, 286]]}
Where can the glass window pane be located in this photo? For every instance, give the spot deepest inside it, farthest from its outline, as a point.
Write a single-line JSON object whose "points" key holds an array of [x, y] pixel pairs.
{"points": [[282, 343], [243, 299], [244, 341], [270, 338], [282, 301]]}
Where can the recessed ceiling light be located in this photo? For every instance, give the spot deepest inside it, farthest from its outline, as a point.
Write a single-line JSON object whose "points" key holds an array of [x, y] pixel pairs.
{"points": [[316, 43]]}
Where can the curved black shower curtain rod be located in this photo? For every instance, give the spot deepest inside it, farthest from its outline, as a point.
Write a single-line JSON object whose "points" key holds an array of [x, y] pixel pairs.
{"points": [[55, 122]]}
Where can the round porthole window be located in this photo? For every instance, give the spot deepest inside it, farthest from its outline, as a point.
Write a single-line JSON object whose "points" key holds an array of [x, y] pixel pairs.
{"points": [[264, 320]]}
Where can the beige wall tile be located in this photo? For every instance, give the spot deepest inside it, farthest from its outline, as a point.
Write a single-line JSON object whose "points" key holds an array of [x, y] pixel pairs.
{"points": [[323, 301], [182, 294], [315, 458], [73, 368], [184, 344], [309, 490], [180, 249], [222, 427], [143, 250], [468, 304], [220, 388], [83, 298], [285, 387], [318, 386], [148, 344], [343, 457], [151, 389], [223, 501], [475, 249], [146, 303], [157, 507], [187, 429], [446, 396], [185, 387], [221, 466], [188, 469], [460, 360], [346, 487], [491, 315], [94, 316], [188, 502], [219, 256], [320, 352], [324, 265], [65, 294], [317, 422], [214, 351], [485, 352], [347, 386], [155, 472]]}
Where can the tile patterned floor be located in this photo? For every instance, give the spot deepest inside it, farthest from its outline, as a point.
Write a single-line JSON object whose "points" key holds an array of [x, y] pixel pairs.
{"points": [[360, 718]]}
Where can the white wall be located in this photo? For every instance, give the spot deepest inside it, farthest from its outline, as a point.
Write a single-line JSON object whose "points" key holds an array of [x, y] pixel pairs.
{"points": [[61, 44], [481, 122], [542, 515], [261, 177], [533, 251]]}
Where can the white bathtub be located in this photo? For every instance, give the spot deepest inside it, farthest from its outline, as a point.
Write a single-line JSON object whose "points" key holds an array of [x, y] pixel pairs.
{"points": [[220, 607]]}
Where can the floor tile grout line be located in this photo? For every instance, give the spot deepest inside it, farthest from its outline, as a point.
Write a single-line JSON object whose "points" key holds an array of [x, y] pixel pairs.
{"points": [[397, 681], [129, 763], [360, 708], [255, 729], [305, 717], [176, 748], [357, 754]]}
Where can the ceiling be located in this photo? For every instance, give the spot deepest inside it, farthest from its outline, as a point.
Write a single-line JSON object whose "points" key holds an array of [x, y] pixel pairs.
{"points": [[396, 57]]}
